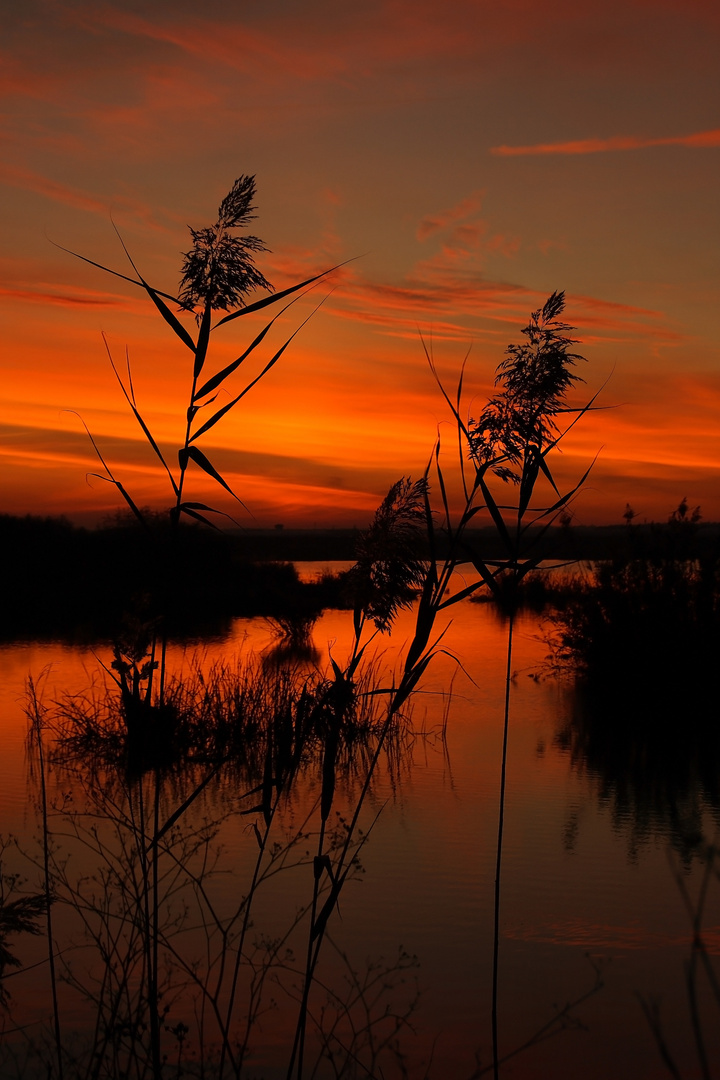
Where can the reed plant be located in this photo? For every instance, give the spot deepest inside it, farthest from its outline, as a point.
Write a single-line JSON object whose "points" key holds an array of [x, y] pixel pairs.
{"points": [[511, 441], [151, 836], [344, 719], [218, 275]]}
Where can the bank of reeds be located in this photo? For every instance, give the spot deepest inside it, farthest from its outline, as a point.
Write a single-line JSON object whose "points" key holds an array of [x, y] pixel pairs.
{"points": [[643, 629], [153, 750], [175, 980]]}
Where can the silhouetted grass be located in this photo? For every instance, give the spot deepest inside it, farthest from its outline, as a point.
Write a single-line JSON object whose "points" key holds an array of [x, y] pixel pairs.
{"points": [[151, 749], [80, 584], [223, 714], [644, 629]]}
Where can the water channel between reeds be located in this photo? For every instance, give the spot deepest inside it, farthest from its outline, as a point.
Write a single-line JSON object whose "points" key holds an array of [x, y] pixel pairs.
{"points": [[595, 931]]}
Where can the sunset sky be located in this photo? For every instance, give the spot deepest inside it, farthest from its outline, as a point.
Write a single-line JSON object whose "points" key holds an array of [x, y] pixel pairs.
{"points": [[469, 158]]}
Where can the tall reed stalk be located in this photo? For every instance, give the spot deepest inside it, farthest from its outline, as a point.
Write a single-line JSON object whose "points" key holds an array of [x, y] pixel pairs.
{"points": [[511, 441], [218, 274], [36, 736], [398, 562]]}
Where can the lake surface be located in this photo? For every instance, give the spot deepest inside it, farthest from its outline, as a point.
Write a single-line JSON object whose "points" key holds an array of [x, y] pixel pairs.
{"points": [[596, 873]]}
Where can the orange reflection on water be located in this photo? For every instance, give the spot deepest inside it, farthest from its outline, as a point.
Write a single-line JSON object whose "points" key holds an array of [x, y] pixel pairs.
{"points": [[568, 884]]}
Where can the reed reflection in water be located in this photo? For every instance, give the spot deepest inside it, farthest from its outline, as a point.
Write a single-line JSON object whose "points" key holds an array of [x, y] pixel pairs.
{"points": [[423, 889]]}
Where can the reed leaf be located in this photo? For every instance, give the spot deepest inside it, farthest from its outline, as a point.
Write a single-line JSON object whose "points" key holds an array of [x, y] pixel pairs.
{"points": [[130, 398], [528, 479], [458, 419], [545, 469], [189, 512], [423, 626], [462, 595], [220, 377], [271, 363], [185, 805], [125, 494], [169, 316], [329, 770], [195, 454], [115, 273], [566, 498], [443, 491], [258, 305], [203, 341], [412, 677], [497, 517], [204, 506]]}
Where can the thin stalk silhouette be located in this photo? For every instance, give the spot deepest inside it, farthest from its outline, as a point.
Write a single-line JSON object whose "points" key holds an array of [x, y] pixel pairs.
{"points": [[498, 858], [37, 734]]}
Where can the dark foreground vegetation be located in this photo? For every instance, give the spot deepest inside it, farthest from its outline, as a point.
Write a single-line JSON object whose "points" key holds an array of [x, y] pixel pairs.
{"points": [[141, 774], [76, 583], [642, 630]]}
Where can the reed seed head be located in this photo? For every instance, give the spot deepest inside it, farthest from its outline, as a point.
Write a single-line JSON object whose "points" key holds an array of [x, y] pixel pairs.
{"points": [[390, 569], [220, 269], [534, 379]]}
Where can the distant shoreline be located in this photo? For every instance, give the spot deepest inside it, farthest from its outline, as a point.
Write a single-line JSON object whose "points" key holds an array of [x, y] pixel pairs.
{"points": [[281, 544]]}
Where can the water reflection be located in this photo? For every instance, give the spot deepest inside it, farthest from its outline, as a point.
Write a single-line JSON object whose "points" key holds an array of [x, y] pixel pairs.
{"points": [[421, 886], [193, 870], [655, 766]]}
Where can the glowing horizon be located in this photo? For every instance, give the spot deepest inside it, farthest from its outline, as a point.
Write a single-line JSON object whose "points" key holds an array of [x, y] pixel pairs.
{"points": [[397, 140]]}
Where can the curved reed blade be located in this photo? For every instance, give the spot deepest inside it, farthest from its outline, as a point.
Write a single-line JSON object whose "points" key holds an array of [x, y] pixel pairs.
{"points": [[125, 494], [271, 363], [169, 316], [267, 300], [216, 380], [202, 341], [155, 295], [497, 517], [196, 455], [130, 398]]}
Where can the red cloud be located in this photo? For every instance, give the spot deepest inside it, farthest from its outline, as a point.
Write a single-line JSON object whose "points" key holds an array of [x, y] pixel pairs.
{"points": [[461, 305], [82, 200], [433, 223], [234, 44], [47, 294], [22, 178], [616, 142]]}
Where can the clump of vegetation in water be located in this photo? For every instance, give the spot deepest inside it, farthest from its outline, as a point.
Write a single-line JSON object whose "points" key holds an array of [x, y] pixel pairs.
{"points": [[645, 626]]}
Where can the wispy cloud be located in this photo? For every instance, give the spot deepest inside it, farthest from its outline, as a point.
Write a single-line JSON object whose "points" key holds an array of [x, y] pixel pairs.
{"points": [[433, 223], [43, 185], [454, 303], [53, 294], [14, 176], [698, 140]]}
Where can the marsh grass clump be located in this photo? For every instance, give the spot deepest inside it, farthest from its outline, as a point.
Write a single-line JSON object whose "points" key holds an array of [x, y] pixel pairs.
{"points": [[162, 960], [222, 714], [644, 628]]}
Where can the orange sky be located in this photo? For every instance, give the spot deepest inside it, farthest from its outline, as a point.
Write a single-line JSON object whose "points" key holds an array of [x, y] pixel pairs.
{"points": [[471, 159]]}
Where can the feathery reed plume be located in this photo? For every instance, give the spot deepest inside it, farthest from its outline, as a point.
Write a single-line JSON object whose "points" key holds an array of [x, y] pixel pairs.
{"points": [[389, 570], [220, 269], [218, 273], [398, 558]]}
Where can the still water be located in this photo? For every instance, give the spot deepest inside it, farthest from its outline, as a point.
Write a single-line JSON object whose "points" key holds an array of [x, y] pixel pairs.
{"points": [[596, 879]]}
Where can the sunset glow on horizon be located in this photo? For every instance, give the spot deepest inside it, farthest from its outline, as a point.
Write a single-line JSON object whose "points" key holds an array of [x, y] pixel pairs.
{"points": [[461, 164]]}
